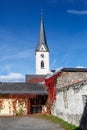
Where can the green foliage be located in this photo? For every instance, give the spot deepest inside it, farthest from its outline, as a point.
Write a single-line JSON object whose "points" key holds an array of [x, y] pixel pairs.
{"points": [[64, 124], [20, 112]]}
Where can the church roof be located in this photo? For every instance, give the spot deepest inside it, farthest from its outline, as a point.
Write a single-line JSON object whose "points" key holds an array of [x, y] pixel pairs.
{"points": [[35, 78], [42, 37], [22, 88]]}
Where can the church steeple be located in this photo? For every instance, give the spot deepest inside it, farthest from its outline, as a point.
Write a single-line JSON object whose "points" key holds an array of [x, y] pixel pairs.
{"points": [[42, 52], [42, 36]]}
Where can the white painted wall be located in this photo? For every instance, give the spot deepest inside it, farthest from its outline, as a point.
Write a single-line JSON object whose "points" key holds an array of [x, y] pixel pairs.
{"points": [[69, 104], [44, 70], [7, 108]]}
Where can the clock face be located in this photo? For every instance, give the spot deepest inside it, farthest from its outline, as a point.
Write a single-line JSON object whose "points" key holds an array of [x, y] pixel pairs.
{"points": [[42, 55]]}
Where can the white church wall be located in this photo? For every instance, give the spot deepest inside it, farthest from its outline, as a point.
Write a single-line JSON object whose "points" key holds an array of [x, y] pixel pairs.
{"points": [[40, 70]]}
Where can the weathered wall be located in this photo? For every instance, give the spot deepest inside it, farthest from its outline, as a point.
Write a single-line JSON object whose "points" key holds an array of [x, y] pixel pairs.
{"points": [[70, 103], [67, 78], [10, 107]]}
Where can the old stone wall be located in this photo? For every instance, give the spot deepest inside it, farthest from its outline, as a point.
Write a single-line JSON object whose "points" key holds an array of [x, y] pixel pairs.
{"points": [[68, 78], [71, 102]]}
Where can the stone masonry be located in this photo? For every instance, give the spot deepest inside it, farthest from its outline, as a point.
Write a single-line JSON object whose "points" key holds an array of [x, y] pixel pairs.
{"points": [[71, 98], [68, 78]]}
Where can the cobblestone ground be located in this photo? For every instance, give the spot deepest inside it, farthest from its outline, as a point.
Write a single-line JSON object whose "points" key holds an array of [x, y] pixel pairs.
{"points": [[27, 123]]}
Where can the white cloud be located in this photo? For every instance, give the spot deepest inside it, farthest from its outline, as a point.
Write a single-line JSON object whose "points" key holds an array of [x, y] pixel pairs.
{"points": [[12, 77], [22, 54], [77, 12], [79, 66]]}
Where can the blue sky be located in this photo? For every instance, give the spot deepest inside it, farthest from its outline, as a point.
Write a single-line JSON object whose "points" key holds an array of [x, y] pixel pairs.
{"points": [[66, 30]]}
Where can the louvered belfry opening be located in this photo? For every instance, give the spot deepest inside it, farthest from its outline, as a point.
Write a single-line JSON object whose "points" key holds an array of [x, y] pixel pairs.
{"points": [[42, 64]]}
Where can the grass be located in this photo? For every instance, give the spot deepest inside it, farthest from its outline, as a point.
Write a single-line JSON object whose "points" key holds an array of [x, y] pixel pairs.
{"points": [[63, 124]]}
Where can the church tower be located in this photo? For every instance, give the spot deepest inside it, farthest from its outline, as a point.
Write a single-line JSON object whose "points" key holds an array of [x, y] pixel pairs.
{"points": [[42, 52]]}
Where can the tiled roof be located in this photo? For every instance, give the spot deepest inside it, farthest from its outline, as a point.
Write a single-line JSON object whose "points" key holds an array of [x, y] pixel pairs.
{"points": [[35, 78], [74, 69], [22, 88]]}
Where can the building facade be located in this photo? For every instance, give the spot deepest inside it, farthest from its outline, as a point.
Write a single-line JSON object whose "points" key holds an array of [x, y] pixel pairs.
{"points": [[22, 98], [70, 102]]}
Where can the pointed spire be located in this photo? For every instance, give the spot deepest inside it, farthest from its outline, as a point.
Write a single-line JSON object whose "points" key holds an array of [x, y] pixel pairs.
{"points": [[42, 36]]}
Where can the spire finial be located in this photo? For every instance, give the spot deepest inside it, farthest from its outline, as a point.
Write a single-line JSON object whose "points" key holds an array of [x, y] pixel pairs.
{"points": [[41, 14]]}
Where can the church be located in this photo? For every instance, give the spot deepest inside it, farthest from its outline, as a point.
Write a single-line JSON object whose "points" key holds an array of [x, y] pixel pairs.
{"points": [[62, 93]]}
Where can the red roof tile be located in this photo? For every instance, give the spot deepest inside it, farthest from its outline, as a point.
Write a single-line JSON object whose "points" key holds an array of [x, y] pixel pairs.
{"points": [[36, 80]]}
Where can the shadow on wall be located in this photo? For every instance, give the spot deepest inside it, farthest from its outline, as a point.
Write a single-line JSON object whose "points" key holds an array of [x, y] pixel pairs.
{"points": [[78, 128], [83, 123]]}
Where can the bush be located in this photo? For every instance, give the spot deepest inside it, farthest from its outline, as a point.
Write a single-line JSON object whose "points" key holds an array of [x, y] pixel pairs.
{"points": [[20, 112]]}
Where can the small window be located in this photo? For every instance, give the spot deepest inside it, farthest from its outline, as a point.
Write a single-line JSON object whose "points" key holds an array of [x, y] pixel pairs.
{"points": [[42, 64]]}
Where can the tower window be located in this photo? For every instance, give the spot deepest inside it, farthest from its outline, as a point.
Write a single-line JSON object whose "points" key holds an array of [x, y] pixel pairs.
{"points": [[42, 64]]}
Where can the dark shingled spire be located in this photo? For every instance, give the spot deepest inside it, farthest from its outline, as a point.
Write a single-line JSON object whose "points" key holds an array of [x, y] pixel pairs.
{"points": [[42, 36]]}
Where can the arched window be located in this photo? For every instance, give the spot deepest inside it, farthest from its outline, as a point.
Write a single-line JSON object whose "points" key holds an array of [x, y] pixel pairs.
{"points": [[42, 64]]}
